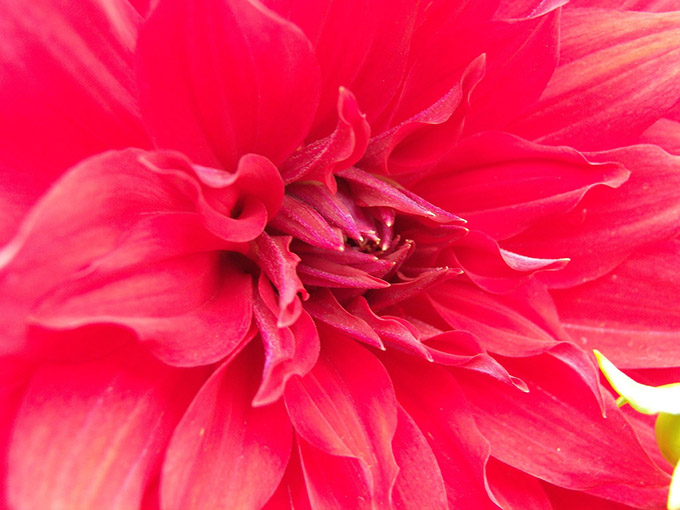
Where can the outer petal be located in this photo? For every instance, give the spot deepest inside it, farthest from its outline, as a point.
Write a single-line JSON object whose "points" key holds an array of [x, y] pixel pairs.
{"points": [[664, 133], [518, 324], [556, 432], [359, 45], [109, 227], [419, 483], [515, 489], [493, 268], [613, 66], [346, 407], [436, 403], [292, 492], [91, 436], [630, 314], [609, 224], [501, 184], [68, 92], [219, 79], [224, 450]]}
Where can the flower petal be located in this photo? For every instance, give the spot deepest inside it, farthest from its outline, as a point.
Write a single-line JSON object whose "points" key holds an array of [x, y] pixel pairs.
{"points": [[614, 65], [91, 436], [665, 133], [346, 407], [289, 351], [502, 184], [361, 46], [68, 91], [442, 414], [419, 483], [220, 79], [515, 489], [557, 432], [609, 224], [630, 314], [341, 149], [223, 449]]}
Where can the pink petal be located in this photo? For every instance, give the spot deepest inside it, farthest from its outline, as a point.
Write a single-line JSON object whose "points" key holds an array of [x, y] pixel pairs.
{"points": [[221, 79], [111, 227], [289, 351], [428, 134], [341, 149], [613, 65], [68, 92], [394, 331], [431, 396], [631, 314], [419, 484], [522, 323], [563, 499], [324, 307], [346, 407], [609, 224], [557, 432], [505, 190], [493, 268], [273, 256], [335, 481], [664, 133], [292, 491], [361, 46], [188, 308], [91, 436], [514, 489], [223, 449], [512, 48]]}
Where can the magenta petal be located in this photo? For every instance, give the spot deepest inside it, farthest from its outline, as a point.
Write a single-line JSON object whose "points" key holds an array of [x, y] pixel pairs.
{"points": [[239, 82], [493, 268], [346, 407], [91, 436], [425, 136], [274, 257], [516, 490], [502, 184], [359, 45], [518, 324], [443, 415], [289, 351], [609, 224], [665, 133], [189, 310], [341, 149], [324, 307], [292, 492], [613, 65], [557, 431], [419, 484], [68, 92], [223, 448], [335, 481], [631, 314]]}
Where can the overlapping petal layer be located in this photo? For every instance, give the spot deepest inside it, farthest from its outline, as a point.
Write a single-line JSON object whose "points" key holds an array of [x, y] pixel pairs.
{"points": [[287, 254]]}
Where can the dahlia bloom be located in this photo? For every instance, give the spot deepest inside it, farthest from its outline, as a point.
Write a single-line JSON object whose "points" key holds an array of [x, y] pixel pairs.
{"points": [[277, 254]]}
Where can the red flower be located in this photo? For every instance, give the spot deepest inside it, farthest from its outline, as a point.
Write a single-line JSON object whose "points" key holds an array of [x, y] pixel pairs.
{"points": [[300, 254]]}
